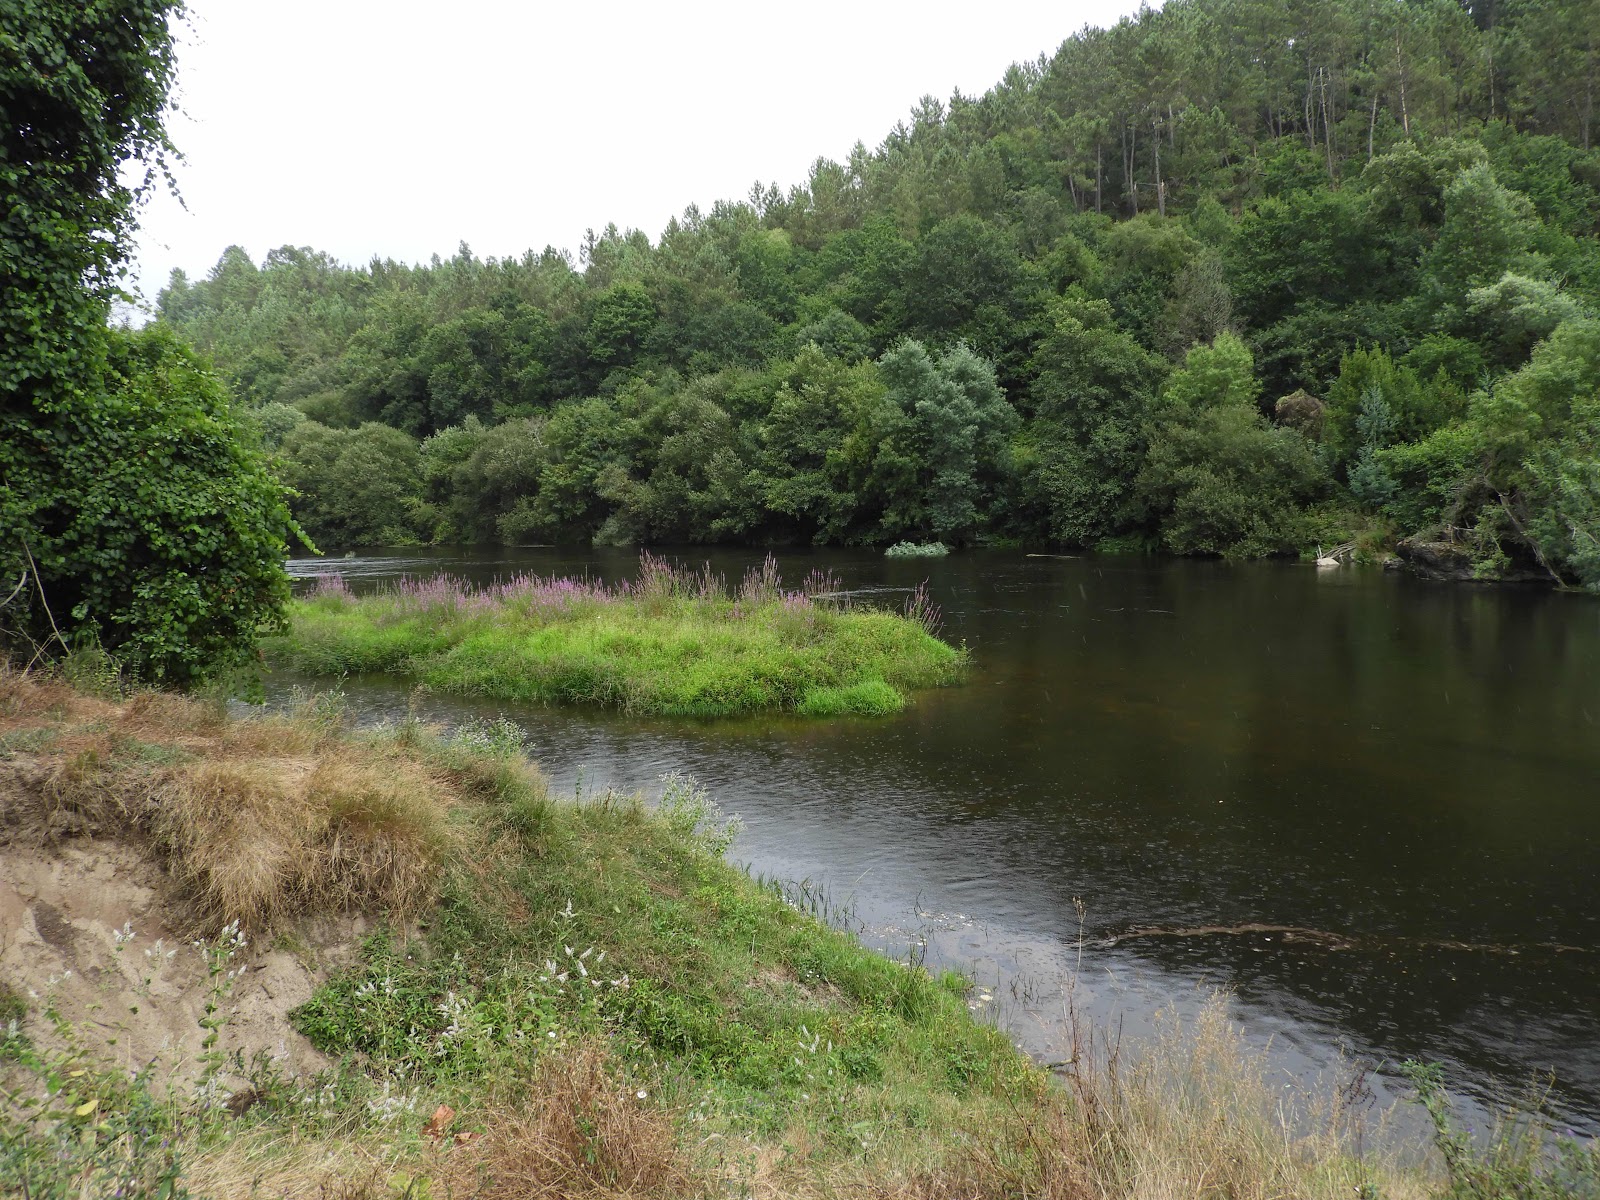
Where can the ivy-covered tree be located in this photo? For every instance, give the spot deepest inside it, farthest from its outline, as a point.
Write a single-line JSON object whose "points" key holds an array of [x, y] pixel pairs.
{"points": [[1091, 400], [1540, 429], [817, 443], [133, 508], [359, 487], [1218, 478]]}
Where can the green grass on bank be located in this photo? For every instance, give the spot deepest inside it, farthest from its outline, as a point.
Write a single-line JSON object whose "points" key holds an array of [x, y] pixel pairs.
{"points": [[670, 643], [781, 1045], [605, 1005]]}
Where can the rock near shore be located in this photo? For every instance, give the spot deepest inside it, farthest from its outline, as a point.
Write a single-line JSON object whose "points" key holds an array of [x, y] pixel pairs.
{"points": [[1454, 562]]}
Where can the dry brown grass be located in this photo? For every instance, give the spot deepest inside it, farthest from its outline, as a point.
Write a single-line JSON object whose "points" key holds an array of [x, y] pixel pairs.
{"points": [[387, 828], [981, 1174], [1196, 1114], [236, 835], [580, 1133], [576, 1131], [159, 712], [257, 1165], [255, 821], [22, 693], [1193, 1115]]}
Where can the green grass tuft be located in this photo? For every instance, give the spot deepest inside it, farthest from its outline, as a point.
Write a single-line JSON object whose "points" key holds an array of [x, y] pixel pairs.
{"points": [[870, 698], [12, 1006], [917, 550]]}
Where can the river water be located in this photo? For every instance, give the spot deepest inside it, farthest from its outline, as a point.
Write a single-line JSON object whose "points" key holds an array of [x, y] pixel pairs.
{"points": [[1400, 777]]}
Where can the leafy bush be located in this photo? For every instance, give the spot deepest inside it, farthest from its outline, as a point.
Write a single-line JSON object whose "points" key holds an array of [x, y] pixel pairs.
{"points": [[1516, 1162], [1226, 482], [132, 511], [917, 550], [149, 522]]}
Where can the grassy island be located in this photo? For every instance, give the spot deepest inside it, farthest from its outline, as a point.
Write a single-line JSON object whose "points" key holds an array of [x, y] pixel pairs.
{"points": [[671, 642]]}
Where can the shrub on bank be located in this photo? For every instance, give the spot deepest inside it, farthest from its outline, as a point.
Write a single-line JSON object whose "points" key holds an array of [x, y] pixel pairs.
{"points": [[138, 517]]}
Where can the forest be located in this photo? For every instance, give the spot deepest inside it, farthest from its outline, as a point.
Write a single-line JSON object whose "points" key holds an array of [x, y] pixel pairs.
{"points": [[1229, 278]]}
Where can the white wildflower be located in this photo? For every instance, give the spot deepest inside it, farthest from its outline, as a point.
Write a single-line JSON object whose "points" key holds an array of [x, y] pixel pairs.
{"points": [[389, 1104]]}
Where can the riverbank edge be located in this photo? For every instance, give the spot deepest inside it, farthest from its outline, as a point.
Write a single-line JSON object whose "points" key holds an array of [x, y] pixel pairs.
{"points": [[847, 1073], [1435, 560]]}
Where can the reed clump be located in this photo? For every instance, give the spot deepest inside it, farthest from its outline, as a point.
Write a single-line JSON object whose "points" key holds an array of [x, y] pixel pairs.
{"points": [[671, 642]]}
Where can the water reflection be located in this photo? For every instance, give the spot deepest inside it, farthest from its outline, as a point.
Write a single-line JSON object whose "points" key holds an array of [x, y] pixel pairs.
{"points": [[1407, 766]]}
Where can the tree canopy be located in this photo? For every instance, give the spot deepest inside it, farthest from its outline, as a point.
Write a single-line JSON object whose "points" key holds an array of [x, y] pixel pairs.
{"points": [[1205, 232]]}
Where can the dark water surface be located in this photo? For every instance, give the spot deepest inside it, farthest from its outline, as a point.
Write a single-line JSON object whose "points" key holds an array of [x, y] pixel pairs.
{"points": [[1408, 773]]}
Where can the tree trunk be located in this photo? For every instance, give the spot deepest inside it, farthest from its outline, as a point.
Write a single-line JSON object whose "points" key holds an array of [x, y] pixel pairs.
{"points": [[1400, 58], [1161, 191], [1588, 100], [1327, 124], [1309, 112], [1131, 132]]}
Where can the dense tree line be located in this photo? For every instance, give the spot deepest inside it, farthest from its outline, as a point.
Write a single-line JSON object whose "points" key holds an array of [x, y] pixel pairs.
{"points": [[1228, 277]]}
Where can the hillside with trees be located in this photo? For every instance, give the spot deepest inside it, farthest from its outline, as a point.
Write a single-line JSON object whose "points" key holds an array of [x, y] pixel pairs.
{"points": [[1231, 277]]}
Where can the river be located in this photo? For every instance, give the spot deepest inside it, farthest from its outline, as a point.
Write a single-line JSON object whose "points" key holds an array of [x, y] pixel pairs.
{"points": [[1400, 777]]}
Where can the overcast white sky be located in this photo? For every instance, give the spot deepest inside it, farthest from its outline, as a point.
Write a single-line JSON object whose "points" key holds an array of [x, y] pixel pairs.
{"points": [[400, 128]]}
